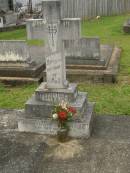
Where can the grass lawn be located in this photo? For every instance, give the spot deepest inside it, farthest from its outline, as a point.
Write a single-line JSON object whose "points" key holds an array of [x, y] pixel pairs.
{"points": [[19, 34], [109, 98]]}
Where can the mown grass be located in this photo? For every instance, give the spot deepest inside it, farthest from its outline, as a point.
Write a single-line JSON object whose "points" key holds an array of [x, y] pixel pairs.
{"points": [[110, 98], [110, 31], [20, 34], [15, 97]]}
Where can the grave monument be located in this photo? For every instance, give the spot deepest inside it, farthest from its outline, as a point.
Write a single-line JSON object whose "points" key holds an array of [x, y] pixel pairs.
{"points": [[86, 59], [16, 64], [38, 109], [126, 26]]}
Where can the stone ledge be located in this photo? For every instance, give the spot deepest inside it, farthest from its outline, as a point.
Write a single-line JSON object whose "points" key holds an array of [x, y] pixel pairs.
{"points": [[56, 95], [35, 108], [108, 75], [78, 128]]}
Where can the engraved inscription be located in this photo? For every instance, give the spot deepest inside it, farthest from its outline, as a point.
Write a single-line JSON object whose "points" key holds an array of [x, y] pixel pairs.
{"points": [[55, 71], [52, 36]]}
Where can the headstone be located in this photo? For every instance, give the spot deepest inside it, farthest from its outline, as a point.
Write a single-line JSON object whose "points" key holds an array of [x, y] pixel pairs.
{"points": [[90, 48], [55, 62], [1, 22], [51, 10], [53, 29], [15, 51], [16, 64], [126, 26], [38, 108], [35, 29], [71, 28]]}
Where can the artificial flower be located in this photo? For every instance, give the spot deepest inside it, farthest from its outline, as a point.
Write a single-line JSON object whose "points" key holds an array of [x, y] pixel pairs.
{"points": [[62, 115], [55, 116]]}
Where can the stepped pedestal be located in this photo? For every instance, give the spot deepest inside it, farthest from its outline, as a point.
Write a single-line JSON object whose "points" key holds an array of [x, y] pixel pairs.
{"points": [[38, 111]]}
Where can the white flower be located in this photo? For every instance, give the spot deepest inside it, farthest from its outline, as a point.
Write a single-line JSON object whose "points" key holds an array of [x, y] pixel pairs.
{"points": [[98, 17], [55, 116], [63, 105]]}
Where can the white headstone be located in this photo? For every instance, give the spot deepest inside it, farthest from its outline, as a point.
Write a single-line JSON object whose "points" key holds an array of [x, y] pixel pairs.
{"points": [[1, 22]]}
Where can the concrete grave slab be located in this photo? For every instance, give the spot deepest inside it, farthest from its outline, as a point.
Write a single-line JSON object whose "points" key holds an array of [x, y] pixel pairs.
{"points": [[108, 149], [16, 64], [38, 109]]}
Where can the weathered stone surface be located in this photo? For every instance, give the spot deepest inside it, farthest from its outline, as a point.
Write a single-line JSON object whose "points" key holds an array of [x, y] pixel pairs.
{"points": [[16, 64], [35, 28], [15, 51], [19, 152], [68, 94], [55, 71], [126, 26], [89, 52], [18, 155], [42, 109], [51, 10], [71, 28], [108, 150], [97, 74], [80, 127]]}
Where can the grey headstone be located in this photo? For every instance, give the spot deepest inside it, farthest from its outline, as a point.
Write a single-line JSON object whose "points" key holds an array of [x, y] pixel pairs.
{"points": [[84, 48], [35, 29], [55, 71], [90, 48], [13, 51], [71, 28], [51, 10]]}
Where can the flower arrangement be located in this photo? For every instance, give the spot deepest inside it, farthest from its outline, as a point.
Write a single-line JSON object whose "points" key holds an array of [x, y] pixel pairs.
{"points": [[63, 113]]}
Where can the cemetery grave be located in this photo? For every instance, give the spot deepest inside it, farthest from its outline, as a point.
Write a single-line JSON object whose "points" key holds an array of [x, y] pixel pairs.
{"points": [[110, 31], [109, 146], [16, 64], [56, 89], [86, 59], [126, 26]]}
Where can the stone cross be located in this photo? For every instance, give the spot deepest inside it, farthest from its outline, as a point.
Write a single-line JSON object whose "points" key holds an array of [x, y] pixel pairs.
{"points": [[52, 36], [55, 62]]}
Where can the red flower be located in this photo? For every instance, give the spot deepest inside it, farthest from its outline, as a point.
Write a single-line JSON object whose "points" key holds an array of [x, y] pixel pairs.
{"points": [[62, 115], [72, 110]]}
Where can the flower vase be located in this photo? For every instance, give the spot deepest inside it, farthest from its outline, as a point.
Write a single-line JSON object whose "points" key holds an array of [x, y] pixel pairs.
{"points": [[62, 134]]}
